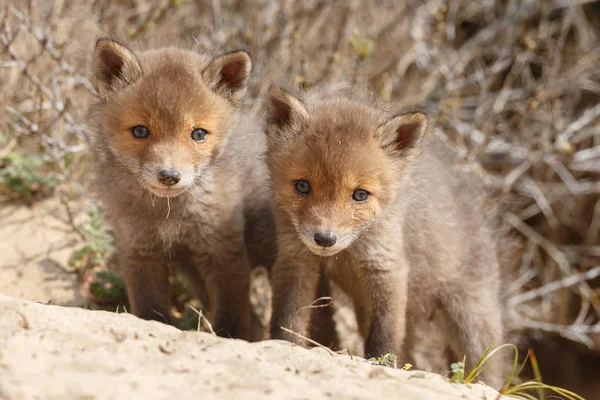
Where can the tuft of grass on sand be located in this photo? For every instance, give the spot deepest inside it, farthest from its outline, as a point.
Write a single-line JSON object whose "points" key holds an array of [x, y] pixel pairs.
{"points": [[526, 390], [388, 360]]}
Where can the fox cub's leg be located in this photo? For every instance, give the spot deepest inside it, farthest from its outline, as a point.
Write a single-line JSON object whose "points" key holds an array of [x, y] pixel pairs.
{"points": [[294, 280], [322, 324], [227, 281], [426, 343], [474, 318], [383, 300], [146, 278]]}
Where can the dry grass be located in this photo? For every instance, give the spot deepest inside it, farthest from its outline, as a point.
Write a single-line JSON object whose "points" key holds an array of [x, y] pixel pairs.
{"points": [[512, 85]]}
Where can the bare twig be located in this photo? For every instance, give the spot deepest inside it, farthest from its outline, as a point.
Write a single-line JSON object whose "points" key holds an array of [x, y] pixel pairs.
{"points": [[65, 202], [202, 318], [309, 340], [312, 305], [577, 333], [554, 286]]}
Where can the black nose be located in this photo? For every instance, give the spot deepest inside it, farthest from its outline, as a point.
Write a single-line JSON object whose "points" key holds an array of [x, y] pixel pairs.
{"points": [[169, 177], [325, 239]]}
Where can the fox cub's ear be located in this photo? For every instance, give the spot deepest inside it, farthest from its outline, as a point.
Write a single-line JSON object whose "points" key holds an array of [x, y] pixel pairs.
{"points": [[286, 115], [402, 132], [113, 67], [228, 75]]}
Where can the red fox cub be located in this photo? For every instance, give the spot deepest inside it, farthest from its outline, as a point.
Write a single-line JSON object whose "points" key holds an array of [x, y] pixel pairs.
{"points": [[181, 174], [366, 194]]}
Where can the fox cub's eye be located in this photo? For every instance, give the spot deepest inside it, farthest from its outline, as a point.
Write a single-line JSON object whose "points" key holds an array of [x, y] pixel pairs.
{"points": [[199, 135], [360, 195], [140, 132], [302, 186]]}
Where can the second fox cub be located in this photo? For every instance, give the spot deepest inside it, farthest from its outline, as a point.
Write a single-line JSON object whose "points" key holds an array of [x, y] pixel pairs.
{"points": [[181, 174], [362, 193]]}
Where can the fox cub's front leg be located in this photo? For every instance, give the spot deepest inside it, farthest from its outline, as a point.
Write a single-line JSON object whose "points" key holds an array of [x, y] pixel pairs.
{"points": [[382, 299], [294, 281], [475, 321], [227, 281], [146, 277], [322, 324]]}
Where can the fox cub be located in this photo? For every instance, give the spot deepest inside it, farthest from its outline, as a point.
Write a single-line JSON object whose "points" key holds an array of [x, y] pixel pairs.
{"points": [[367, 196], [181, 174]]}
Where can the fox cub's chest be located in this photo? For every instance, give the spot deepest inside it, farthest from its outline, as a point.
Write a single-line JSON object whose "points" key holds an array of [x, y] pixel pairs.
{"points": [[197, 226]]}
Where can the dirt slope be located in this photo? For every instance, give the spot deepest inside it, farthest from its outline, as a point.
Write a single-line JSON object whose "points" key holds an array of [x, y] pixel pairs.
{"points": [[54, 352], [35, 245]]}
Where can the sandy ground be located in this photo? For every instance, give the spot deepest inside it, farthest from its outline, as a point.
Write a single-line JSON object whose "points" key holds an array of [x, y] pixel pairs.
{"points": [[54, 352], [35, 245]]}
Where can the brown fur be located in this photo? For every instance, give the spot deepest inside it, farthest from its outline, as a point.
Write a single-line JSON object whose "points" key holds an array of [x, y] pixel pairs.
{"points": [[420, 248], [217, 217]]}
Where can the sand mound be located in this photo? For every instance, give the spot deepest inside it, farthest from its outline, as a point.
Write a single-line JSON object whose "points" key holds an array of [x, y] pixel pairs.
{"points": [[54, 352]]}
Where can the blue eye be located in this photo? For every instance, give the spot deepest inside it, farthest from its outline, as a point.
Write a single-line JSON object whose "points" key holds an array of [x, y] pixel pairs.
{"points": [[360, 195], [140, 132], [199, 135], [302, 186]]}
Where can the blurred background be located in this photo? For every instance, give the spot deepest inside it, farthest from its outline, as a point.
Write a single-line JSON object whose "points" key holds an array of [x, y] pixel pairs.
{"points": [[513, 86]]}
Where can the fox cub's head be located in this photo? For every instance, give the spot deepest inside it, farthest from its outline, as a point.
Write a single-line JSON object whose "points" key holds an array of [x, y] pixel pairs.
{"points": [[166, 113], [336, 164]]}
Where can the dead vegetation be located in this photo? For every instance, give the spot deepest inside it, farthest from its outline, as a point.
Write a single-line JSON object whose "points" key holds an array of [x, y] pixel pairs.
{"points": [[512, 85]]}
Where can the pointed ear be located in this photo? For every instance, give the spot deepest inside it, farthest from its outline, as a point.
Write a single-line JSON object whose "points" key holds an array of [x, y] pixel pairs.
{"points": [[228, 75], [114, 67], [402, 132], [285, 113]]}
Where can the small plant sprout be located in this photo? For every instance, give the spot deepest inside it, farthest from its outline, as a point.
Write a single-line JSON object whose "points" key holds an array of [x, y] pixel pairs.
{"points": [[389, 360], [458, 372]]}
